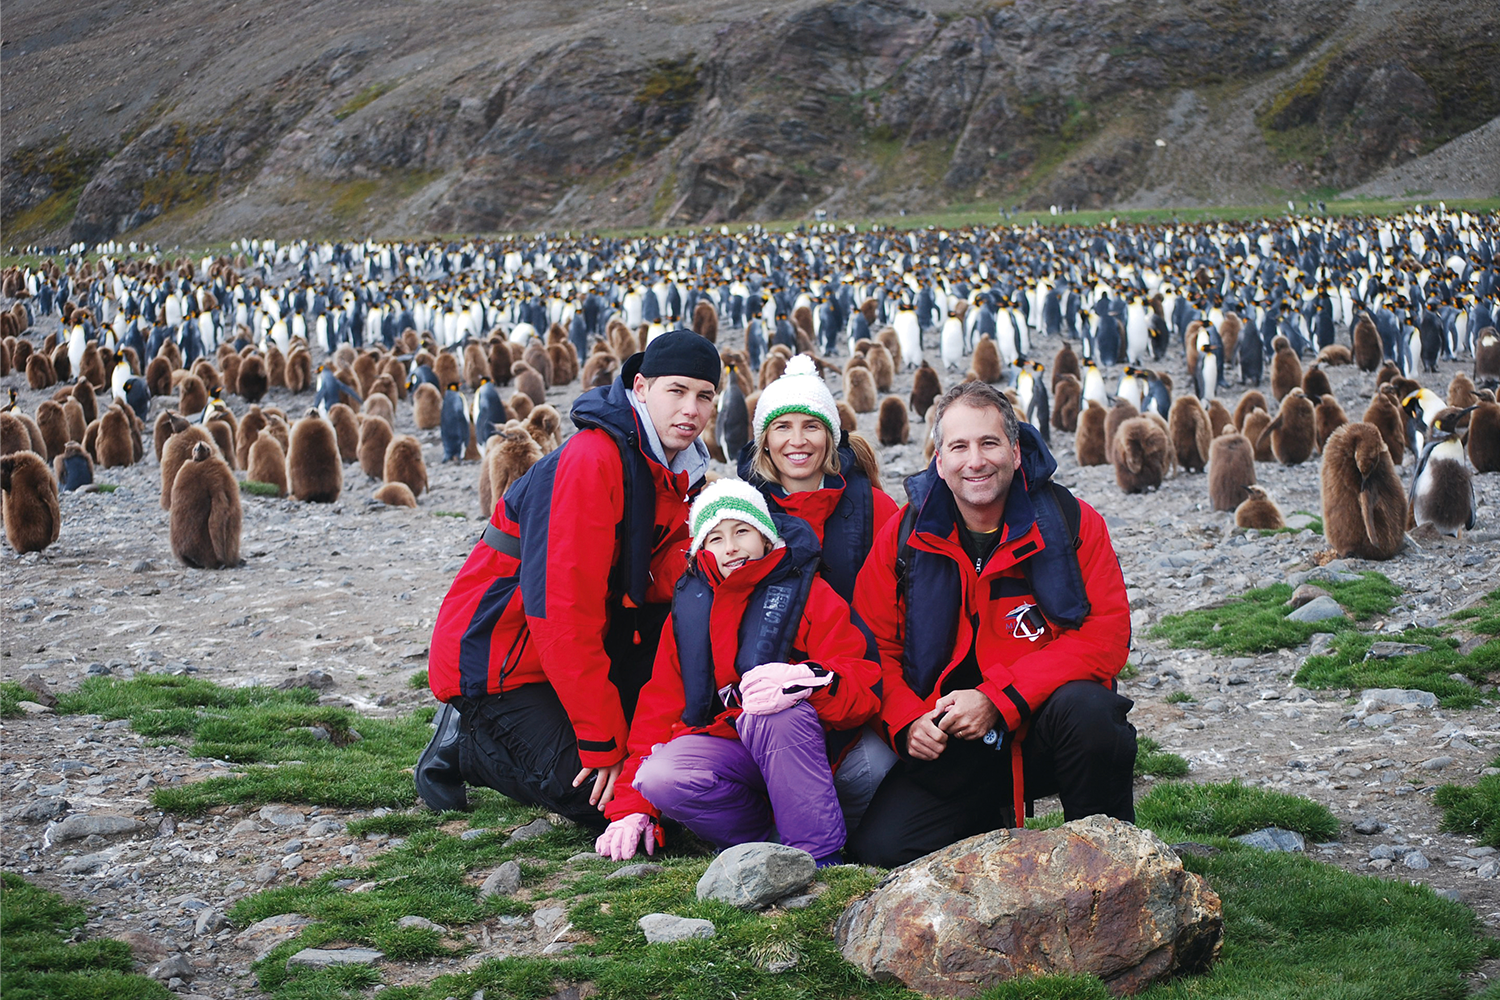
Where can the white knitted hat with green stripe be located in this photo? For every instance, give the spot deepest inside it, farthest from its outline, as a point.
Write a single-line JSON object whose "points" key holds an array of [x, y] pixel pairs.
{"points": [[800, 390], [730, 499]]}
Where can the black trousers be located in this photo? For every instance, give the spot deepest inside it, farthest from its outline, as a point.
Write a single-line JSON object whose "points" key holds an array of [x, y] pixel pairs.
{"points": [[1079, 747]]}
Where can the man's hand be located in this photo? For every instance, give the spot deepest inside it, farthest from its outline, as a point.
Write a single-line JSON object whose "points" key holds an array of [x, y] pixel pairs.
{"points": [[924, 739], [604, 784], [967, 714]]}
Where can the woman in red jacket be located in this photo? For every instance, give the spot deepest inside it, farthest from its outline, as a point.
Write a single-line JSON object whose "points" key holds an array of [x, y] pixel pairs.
{"points": [[759, 661]]}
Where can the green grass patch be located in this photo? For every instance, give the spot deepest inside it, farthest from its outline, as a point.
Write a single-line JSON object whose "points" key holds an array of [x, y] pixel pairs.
{"points": [[1345, 666], [105, 487], [1473, 810], [1482, 618], [11, 695], [1181, 810], [367, 96], [43, 960], [257, 488], [418, 681], [361, 765], [1179, 697], [1256, 622], [450, 513], [1151, 759]]}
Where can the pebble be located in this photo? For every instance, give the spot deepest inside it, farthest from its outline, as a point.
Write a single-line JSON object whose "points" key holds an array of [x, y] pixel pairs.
{"points": [[1416, 860], [503, 881], [1488, 869], [1317, 610], [536, 828], [1274, 839], [320, 958], [1368, 826], [634, 871], [1436, 763], [664, 928], [81, 825]]}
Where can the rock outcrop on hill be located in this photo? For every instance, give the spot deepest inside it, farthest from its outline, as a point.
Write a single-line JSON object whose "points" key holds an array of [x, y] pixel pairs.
{"points": [[392, 118]]}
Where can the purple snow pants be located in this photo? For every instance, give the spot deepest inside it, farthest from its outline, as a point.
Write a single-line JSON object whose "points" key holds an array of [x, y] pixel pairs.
{"points": [[774, 779]]}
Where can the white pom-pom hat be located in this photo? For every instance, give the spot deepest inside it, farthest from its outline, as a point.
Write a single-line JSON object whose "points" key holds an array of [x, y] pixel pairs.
{"points": [[730, 499], [800, 390]]}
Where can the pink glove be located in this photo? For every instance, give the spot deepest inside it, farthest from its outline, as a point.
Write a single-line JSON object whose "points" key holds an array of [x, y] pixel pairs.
{"points": [[618, 841], [776, 687]]}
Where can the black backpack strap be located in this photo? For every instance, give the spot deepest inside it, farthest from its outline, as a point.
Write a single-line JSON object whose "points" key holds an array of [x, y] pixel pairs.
{"points": [[903, 562]]}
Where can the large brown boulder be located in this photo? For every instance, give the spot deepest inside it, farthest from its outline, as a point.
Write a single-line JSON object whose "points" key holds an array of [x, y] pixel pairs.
{"points": [[1093, 896]]}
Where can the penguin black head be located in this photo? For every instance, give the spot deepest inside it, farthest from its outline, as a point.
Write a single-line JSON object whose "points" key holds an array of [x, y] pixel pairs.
{"points": [[452, 386]]}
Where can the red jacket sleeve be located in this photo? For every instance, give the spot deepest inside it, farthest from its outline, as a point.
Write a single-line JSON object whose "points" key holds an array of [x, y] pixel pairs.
{"points": [[587, 503], [833, 643], [875, 601], [1095, 651]]}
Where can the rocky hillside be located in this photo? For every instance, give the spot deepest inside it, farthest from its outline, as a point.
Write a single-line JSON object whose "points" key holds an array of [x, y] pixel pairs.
{"points": [[211, 119]]}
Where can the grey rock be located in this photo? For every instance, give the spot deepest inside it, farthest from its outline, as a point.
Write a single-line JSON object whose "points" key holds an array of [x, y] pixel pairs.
{"points": [[36, 810], [263, 936], [174, 967], [80, 825], [1306, 594], [421, 923], [536, 828], [142, 566], [1436, 763], [1488, 869], [322, 958], [283, 816], [325, 827], [83, 864], [1480, 852], [664, 928], [1449, 894], [1392, 650], [1398, 698], [37, 685], [634, 871], [292, 862], [243, 827], [34, 708], [1317, 610], [503, 881], [1379, 719], [210, 921], [1368, 826], [753, 875], [1416, 860], [315, 679], [474, 834], [1322, 573], [1319, 643], [1273, 838], [1381, 851]]}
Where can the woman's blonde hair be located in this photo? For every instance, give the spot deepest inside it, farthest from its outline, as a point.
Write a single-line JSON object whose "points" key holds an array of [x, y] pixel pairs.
{"points": [[765, 468]]}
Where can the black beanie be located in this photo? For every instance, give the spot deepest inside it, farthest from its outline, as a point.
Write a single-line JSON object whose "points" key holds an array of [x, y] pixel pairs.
{"points": [[681, 352]]}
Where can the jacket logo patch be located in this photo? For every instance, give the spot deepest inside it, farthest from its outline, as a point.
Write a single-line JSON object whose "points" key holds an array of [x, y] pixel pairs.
{"points": [[1026, 622]]}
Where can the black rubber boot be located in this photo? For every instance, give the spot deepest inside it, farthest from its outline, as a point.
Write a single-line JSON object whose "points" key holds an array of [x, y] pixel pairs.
{"points": [[439, 783]]}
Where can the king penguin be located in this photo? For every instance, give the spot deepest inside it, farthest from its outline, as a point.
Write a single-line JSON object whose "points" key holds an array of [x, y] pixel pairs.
{"points": [[1442, 488], [454, 424]]}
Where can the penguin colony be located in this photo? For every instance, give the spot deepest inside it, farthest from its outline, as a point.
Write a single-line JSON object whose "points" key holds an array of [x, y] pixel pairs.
{"points": [[473, 335]]}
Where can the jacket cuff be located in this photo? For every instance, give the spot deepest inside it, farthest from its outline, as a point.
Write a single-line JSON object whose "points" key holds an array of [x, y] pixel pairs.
{"points": [[601, 753], [1014, 710]]}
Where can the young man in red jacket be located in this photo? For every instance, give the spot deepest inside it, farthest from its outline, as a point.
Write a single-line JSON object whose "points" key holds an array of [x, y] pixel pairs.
{"points": [[999, 609], [549, 631]]}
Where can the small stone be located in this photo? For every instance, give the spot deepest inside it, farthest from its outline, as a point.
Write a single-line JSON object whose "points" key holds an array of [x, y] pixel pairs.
{"points": [[1393, 650], [1306, 594], [1380, 851], [142, 566], [1320, 643], [536, 828], [1450, 894], [175, 967], [243, 827], [1436, 763], [282, 816], [325, 827], [1398, 698], [584, 856], [263, 936], [421, 923], [34, 708], [752, 875], [1317, 610], [474, 834], [1274, 839], [321, 958], [266, 872], [1379, 719], [1416, 860], [662, 928], [1489, 869], [292, 862], [47, 807], [209, 921], [1368, 826], [38, 686], [503, 881], [1480, 852], [634, 871], [81, 825], [83, 864]]}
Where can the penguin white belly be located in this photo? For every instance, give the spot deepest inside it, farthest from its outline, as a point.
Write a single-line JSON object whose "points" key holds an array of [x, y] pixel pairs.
{"points": [[952, 343], [909, 333]]}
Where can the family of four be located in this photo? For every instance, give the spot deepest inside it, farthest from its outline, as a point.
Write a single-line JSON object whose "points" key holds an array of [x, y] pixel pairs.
{"points": [[785, 656]]}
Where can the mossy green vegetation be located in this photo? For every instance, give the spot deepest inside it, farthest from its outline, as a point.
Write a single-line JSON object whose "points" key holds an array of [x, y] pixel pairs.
{"points": [[256, 488], [1473, 810], [43, 959], [1178, 697], [365, 97], [1256, 622], [11, 694], [1151, 759], [1178, 810], [1345, 666]]}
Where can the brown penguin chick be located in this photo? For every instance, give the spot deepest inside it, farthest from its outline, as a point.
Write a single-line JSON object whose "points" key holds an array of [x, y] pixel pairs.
{"points": [[395, 370], [229, 370], [1388, 373], [178, 451], [537, 358], [1258, 511], [1385, 415], [20, 353], [385, 386], [297, 373], [706, 321], [599, 370], [869, 307], [170, 351], [192, 395], [859, 390], [925, 387], [278, 428], [887, 338], [1461, 391], [564, 362], [1256, 422], [508, 453], [374, 437], [803, 321], [73, 417], [1067, 394], [1487, 353], [253, 380], [1364, 505], [1089, 445], [33, 517], [1286, 369], [62, 365], [1231, 468], [396, 495], [1140, 455], [445, 367], [5, 362], [314, 471], [1315, 382], [205, 523], [253, 423], [882, 367], [1334, 355], [404, 464], [1218, 418], [520, 404], [267, 463], [545, 425], [427, 406], [1229, 334], [1367, 347], [621, 340], [531, 382], [84, 393], [343, 357], [1293, 431], [892, 427], [345, 431], [1190, 345], [39, 373], [1065, 362], [773, 367], [1328, 417], [1187, 424], [54, 426], [367, 369], [848, 420], [986, 361], [91, 366], [13, 434], [208, 375], [223, 434], [378, 405], [1119, 412], [1484, 436]]}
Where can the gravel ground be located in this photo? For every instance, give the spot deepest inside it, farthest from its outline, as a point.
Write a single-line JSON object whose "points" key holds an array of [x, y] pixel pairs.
{"points": [[1467, 167]]}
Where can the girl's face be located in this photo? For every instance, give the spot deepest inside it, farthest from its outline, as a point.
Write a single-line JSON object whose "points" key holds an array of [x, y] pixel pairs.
{"points": [[734, 543], [798, 446]]}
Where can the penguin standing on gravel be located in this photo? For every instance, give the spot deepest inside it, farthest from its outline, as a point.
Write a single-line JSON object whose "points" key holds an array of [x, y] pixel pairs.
{"points": [[489, 411], [1442, 488], [329, 388], [454, 424], [732, 428]]}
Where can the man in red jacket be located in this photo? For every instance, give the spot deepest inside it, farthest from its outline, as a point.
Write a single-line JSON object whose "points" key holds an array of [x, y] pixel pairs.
{"points": [[549, 631], [999, 609]]}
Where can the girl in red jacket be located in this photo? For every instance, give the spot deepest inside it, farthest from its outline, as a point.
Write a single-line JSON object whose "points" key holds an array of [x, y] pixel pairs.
{"points": [[759, 659]]}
